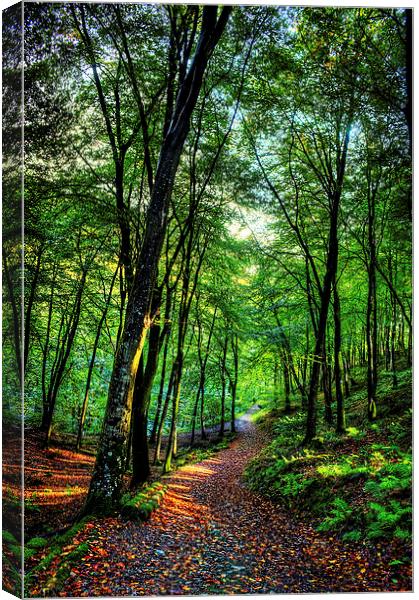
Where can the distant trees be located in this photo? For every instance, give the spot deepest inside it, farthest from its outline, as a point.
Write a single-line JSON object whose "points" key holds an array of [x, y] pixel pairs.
{"points": [[325, 105]]}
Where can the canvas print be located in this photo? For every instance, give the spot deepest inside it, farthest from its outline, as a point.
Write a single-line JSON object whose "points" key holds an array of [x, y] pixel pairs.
{"points": [[207, 299]]}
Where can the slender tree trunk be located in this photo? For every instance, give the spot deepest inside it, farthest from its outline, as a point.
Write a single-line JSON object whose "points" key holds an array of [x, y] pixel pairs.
{"points": [[328, 414], [223, 387], [175, 410], [372, 347], [163, 416], [276, 381], [59, 372], [393, 343], [92, 364], [371, 326], [346, 376], [331, 268], [409, 347], [235, 346], [340, 405], [202, 368], [153, 435], [286, 375]]}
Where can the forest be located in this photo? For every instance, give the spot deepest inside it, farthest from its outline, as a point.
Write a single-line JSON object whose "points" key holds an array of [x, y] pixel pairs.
{"points": [[211, 329]]}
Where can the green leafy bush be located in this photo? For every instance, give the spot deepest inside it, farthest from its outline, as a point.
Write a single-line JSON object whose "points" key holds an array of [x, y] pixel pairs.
{"points": [[341, 515], [384, 521], [352, 536], [347, 468]]}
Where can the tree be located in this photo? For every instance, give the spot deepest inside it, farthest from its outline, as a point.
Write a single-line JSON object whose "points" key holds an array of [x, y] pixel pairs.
{"points": [[105, 487]]}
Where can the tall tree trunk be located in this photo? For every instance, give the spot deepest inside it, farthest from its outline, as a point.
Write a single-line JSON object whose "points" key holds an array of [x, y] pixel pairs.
{"points": [[235, 347], [327, 390], [340, 405], [329, 277], [163, 415], [286, 374], [276, 381], [105, 486], [92, 364], [59, 372], [223, 379], [153, 435], [202, 368], [142, 393], [175, 410], [371, 325]]}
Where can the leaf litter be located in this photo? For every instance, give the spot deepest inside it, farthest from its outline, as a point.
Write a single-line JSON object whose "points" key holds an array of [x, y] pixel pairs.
{"points": [[212, 535]]}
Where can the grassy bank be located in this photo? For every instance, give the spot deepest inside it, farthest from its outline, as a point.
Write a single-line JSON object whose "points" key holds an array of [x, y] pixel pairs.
{"points": [[356, 485]]}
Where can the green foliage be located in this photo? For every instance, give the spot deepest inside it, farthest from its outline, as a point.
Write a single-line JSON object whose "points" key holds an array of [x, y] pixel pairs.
{"points": [[352, 536], [8, 538], [36, 543], [293, 484], [392, 478], [340, 517], [344, 469], [320, 481], [384, 521]]}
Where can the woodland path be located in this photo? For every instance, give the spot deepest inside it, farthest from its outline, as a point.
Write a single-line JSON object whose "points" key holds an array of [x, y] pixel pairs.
{"points": [[211, 535]]}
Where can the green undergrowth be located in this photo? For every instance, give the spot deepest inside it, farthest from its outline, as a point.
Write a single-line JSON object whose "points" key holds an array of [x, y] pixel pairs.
{"points": [[59, 550], [357, 485], [11, 559], [140, 506], [194, 455]]}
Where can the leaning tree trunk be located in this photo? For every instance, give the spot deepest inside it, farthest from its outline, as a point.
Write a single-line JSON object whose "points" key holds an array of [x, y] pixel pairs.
{"points": [[142, 395], [106, 483]]}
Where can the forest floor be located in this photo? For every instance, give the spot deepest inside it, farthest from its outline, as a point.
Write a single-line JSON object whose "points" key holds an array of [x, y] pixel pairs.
{"points": [[212, 535], [56, 479]]}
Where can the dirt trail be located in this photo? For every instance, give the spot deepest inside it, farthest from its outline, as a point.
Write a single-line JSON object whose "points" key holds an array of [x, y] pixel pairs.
{"points": [[211, 535]]}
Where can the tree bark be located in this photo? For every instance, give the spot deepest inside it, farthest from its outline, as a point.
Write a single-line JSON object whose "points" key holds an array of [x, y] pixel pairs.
{"points": [[223, 387], [92, 364], [340, 405]]}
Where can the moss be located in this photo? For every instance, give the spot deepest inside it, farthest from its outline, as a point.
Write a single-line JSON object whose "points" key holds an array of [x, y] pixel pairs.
{"points": [[140, 506], [55, 548], [36, 542], [55, 583]]}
